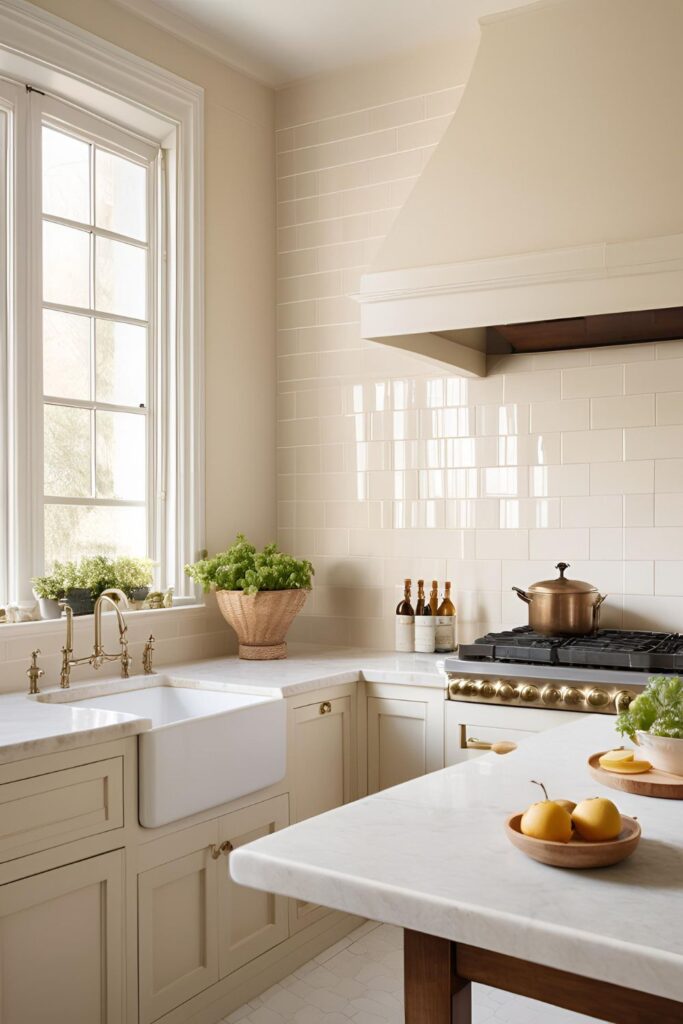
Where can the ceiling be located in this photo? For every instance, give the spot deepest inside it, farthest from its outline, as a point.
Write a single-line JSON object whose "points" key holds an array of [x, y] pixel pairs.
{"points": [[279, 41]]}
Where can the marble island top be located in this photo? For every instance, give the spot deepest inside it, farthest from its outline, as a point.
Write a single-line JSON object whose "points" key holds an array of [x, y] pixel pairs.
{"points": [[432, 855], [30, 727]]}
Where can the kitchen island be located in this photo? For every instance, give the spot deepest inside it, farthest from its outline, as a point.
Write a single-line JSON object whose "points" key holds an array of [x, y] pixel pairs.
{"points": [[432, 856]]}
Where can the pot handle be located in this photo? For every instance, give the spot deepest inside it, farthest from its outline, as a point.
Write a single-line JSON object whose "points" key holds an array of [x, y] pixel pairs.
{"points": [[522, 595], [596, 609]]}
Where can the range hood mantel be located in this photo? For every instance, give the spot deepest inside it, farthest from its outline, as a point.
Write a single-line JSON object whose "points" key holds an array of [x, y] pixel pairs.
{"points": [[555, 192]]}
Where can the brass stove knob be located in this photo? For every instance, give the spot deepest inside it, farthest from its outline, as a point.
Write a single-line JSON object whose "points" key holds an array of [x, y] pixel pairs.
{"points": [[486, 689], [597, 697], [572, 696], [551, 695], [623, 699], [461, 688], [506, 691], [529, 693]]}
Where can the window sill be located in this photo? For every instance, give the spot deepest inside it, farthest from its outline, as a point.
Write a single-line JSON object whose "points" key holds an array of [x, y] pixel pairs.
{"points": [[47, 627]]}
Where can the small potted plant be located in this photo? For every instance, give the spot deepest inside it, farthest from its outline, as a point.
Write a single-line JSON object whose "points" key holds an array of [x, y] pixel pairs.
{"points": [[85, 581], [49, 590], [654, 720], [133, 576], [259, 594]]}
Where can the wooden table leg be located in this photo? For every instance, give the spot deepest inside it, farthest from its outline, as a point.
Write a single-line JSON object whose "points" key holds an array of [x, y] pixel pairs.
{"points": [[433, 992]]}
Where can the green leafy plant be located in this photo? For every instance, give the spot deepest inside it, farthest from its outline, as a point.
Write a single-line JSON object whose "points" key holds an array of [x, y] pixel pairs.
{"points": [[244, 568], [657, 710], [132, 574], [52, 586]]}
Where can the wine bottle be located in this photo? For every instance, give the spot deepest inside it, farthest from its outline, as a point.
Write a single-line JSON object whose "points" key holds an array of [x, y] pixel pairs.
{"points": [[422, 607], [425, 623], [434, 597], [445, 623], [405, 621]]}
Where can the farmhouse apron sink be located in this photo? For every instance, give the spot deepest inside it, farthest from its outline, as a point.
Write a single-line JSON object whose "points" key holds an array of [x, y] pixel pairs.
{"points": [[206, 747]]}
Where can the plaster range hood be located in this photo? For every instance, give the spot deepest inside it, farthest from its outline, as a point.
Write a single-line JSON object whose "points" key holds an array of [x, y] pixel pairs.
{"points": [[551, 213]]}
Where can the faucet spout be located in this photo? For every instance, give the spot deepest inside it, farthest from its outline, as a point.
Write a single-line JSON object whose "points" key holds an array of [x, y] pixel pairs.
{"points": [[107, 596]]}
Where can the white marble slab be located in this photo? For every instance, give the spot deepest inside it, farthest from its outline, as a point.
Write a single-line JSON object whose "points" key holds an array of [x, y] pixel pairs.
{"points": [[33, 726], [432, 855]]}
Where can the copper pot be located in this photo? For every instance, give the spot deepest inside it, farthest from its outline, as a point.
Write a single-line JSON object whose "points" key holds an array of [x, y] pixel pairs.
{"points": [[562, 607]]}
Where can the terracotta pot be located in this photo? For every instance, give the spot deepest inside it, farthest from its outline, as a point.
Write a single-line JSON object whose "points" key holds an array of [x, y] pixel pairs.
{"points": [[261, 620]]}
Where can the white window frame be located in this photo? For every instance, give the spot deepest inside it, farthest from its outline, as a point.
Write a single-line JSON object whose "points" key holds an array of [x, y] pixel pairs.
{"points": [[77, 68]]}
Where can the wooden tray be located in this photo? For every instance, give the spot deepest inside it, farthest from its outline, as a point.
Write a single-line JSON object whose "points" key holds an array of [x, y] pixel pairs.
{"points": [[577, 853], [652, 783]]}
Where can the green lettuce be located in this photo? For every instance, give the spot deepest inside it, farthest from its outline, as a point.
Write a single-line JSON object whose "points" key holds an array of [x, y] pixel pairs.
{"points": [[658, 709]]}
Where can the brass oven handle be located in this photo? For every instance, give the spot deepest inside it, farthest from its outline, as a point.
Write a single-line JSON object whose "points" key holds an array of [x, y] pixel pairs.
{"points": [[325, 707], [499, 747], [216, 851]]}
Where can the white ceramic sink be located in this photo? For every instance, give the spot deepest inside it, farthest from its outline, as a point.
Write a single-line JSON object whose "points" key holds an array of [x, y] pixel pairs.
{"points": [[205, 747]]}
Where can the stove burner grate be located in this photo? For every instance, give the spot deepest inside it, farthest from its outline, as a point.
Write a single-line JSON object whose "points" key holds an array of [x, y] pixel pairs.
{"points": [[637, 650]]}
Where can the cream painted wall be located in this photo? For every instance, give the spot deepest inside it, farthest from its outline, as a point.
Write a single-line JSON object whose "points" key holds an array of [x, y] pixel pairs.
{"points": [[239, 297], [391, 468]]}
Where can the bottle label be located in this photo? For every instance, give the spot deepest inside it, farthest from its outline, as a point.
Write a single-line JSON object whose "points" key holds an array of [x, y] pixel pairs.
{"points": [[425, 634], [405, 633], [445, 633]]}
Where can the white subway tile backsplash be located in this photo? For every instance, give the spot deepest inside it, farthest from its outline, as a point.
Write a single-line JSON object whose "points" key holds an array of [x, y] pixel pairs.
{"points": [[631, 411], [389, 466], [567, 415], [593, 446], [592, 381]]}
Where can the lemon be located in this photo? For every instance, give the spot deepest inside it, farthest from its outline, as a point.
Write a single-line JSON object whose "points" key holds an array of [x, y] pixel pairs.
{"points": [[547, 820]]}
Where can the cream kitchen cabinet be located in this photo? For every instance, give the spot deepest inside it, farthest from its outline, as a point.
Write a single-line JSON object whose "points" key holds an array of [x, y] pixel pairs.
{"points": [[61, 945], [404, 734], [323, 768], [195, 925]]}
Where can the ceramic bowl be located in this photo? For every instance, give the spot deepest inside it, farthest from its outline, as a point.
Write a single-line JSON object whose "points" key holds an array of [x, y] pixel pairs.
{"points": [[662, 752]]}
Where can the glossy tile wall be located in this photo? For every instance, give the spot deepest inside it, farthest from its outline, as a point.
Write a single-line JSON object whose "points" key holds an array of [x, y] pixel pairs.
{"points": [[389, 467]]}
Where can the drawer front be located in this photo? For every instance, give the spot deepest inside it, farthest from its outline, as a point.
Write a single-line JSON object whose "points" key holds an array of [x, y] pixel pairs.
{"points": [[60, 807]]}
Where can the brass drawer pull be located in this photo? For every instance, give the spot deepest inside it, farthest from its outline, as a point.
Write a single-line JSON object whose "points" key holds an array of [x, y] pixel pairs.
{"points": [[325, 707], [500, 747], [216, 851]]}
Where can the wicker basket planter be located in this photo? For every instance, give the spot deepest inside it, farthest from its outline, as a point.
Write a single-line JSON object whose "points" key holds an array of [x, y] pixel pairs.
{"points": [[261, 620]]}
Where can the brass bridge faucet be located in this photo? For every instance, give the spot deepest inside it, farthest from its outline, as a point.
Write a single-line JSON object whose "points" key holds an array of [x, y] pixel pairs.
{"points": [[99, 655]]}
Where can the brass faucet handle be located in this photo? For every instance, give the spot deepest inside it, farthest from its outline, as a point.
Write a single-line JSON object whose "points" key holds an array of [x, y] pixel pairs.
{"points": [[147, 656], [34, 673]]}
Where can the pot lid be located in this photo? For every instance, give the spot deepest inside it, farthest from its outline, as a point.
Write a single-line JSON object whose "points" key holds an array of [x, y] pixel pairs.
{"points": [[561, 585]]}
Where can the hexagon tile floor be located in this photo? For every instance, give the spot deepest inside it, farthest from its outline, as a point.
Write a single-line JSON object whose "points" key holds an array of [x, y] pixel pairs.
{"points": [[360, 980]]}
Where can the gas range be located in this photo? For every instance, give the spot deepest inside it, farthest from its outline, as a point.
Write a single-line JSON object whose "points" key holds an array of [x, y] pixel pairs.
{"points": [[600, 673]]}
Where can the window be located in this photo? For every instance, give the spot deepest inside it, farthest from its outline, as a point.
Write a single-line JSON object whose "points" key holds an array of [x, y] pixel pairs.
{"points": [[100, 306]]}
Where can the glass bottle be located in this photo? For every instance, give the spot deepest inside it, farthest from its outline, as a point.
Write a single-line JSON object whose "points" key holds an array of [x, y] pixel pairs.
{"points": [[405, 621], [445, 623]]}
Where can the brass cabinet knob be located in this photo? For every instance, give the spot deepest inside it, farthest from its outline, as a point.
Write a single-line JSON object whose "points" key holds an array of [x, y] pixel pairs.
{"points": [[529, 693], [506, 691], [325, 707], [216, 851], [485, 689], [572, 696], [597, 697], [551, 695], [623, 699]]}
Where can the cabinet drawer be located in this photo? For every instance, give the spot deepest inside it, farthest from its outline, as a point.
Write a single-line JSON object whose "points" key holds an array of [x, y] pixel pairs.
{"points": [[59, 807]]}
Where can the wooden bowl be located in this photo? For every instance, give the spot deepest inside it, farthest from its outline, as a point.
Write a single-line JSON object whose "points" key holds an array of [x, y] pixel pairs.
{"points": [[577, 853]]}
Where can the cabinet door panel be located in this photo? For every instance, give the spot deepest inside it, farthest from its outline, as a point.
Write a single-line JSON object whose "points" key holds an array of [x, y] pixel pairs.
{"points": [[61, 945], [397, 741], [322, 757], [251, 921], [323, 774], [178, 931]]}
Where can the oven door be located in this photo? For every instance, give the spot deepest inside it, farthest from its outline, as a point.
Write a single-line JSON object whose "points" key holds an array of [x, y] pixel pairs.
{"points": [[472, 728]]}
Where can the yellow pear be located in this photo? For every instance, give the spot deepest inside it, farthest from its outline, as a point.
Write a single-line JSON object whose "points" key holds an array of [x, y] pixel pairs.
{"points": [[597, 819], [568, 805], [547, 820]]}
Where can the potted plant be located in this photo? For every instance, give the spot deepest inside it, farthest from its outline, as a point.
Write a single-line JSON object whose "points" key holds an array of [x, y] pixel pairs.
{"points": [[133, 576], [654, 720], [49, 590], [258, 592], [85, 581]]}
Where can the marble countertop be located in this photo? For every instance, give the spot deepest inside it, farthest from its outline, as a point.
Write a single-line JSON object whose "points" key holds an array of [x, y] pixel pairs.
{"points": [[432, 855], [31, 727]]}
